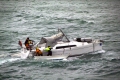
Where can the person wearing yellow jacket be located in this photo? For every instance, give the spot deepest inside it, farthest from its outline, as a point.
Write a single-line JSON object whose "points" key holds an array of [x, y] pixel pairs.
{"points": [[48, 49]]}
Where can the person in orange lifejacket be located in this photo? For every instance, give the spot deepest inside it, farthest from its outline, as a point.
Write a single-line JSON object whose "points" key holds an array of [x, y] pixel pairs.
{"points": [[38, 52]]}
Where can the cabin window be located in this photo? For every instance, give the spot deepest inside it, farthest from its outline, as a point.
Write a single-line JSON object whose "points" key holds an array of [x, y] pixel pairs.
{"points": [[68, 46]]}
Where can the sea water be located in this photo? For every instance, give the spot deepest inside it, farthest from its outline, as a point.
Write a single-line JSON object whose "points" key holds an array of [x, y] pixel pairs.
{"points": [[99, 19]]}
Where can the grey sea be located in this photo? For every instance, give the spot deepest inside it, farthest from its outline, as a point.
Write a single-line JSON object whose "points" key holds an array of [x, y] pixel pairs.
{"points": [[99, 19]]}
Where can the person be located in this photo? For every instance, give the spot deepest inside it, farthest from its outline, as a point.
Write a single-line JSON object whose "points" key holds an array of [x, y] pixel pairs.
{"points": [[38, 52], [48, 49], [20, 43], [28, 44]]}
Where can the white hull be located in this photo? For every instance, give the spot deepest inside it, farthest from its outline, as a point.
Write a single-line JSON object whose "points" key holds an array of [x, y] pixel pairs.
{"points": [[78, 50], [57, 57], [54, 57]]}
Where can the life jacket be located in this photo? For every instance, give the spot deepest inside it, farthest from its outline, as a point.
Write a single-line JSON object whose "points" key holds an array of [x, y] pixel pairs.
{"points": [[47, 49], [38, 51], [30, 42]]}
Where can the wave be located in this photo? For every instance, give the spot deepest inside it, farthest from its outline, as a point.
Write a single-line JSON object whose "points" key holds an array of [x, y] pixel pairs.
{"points": [[2, 61]]}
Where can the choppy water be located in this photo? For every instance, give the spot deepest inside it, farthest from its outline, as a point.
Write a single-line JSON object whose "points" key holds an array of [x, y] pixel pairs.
{"points": [[77, 18]]}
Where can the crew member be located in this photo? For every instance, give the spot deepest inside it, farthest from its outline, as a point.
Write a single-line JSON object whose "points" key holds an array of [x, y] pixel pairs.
{"points": [[38, 52], [20, 43], [48, 49], [28, 44]]}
